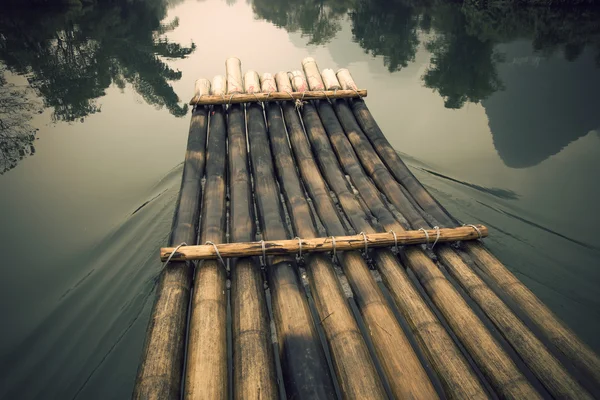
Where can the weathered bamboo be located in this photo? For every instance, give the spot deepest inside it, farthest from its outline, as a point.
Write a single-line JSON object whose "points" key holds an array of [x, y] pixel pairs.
{"points": [[276, 96], [253, 364], [305, 370], [324, 244], [456, 376], [563, 338], [352, 362], [496, 365], [545, 366], [161, 366], [394, 163], [206, 373]]}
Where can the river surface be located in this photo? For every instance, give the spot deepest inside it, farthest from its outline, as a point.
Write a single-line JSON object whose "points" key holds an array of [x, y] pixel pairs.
{"points": [[496, 112]]}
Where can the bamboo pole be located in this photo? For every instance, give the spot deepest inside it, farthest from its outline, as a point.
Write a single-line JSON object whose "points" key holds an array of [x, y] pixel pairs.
{"points": [[554, 330], [161, 367], [253, 364], [453, 370], [305, 370], [455, 375], [276, 96], [352, 362], [309, 244], [206, 373], [496, 365], [543, 364]]}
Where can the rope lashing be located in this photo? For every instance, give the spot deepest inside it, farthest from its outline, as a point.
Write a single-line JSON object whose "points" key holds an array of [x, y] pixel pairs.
{"points": [[174, 251], [333, 256], [476, 229], [426, 235], [364, 235], [395, 241], [299, 255], [218, 254], [437, 231]]}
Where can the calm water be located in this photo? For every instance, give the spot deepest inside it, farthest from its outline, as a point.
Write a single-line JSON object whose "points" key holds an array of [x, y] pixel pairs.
{"points": [[495, 110]]}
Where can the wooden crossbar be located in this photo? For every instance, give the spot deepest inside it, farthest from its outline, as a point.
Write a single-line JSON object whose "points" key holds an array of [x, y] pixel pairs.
{"points": [[324, 244], [276, 96]]}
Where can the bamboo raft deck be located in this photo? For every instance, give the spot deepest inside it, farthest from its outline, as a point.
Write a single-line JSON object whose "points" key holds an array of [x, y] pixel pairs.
{"points": [[362, 286]]}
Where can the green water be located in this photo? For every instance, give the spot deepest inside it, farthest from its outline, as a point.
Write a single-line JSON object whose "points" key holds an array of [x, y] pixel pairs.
{"points": [[496, 111]]}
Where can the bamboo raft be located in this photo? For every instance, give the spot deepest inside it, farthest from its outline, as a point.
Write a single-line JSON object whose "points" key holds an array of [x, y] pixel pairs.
{"points": [[362, 286]]}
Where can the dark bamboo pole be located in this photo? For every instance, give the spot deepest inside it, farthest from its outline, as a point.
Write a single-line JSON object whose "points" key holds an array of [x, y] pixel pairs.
{"points": [[492, 360], [562, 337], [253, 365], [206, 372], [161, 366], [456, 376], [303, 362], [352, 362], [537, 357]]}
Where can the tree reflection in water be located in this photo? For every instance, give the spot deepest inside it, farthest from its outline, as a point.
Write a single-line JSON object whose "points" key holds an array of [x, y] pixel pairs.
{"points": [[70, 57], [464, 64]]}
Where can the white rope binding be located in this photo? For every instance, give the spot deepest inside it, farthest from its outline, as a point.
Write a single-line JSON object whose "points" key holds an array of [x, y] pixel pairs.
{"points": [[437, 237], [395, 241], [333, 255], [218, 254], [426, 236], [174, 251], [366, 242], [476, 229]]}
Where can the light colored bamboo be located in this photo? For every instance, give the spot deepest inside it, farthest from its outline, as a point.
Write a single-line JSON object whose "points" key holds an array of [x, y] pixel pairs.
{"points": [[233, 71], [456, 376], [496, 365], [206, 373], [276, 96], [324, 244], [563, 338], [254, 373], [305, 371], [545, 366], [161, 367], [352, 362]]}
